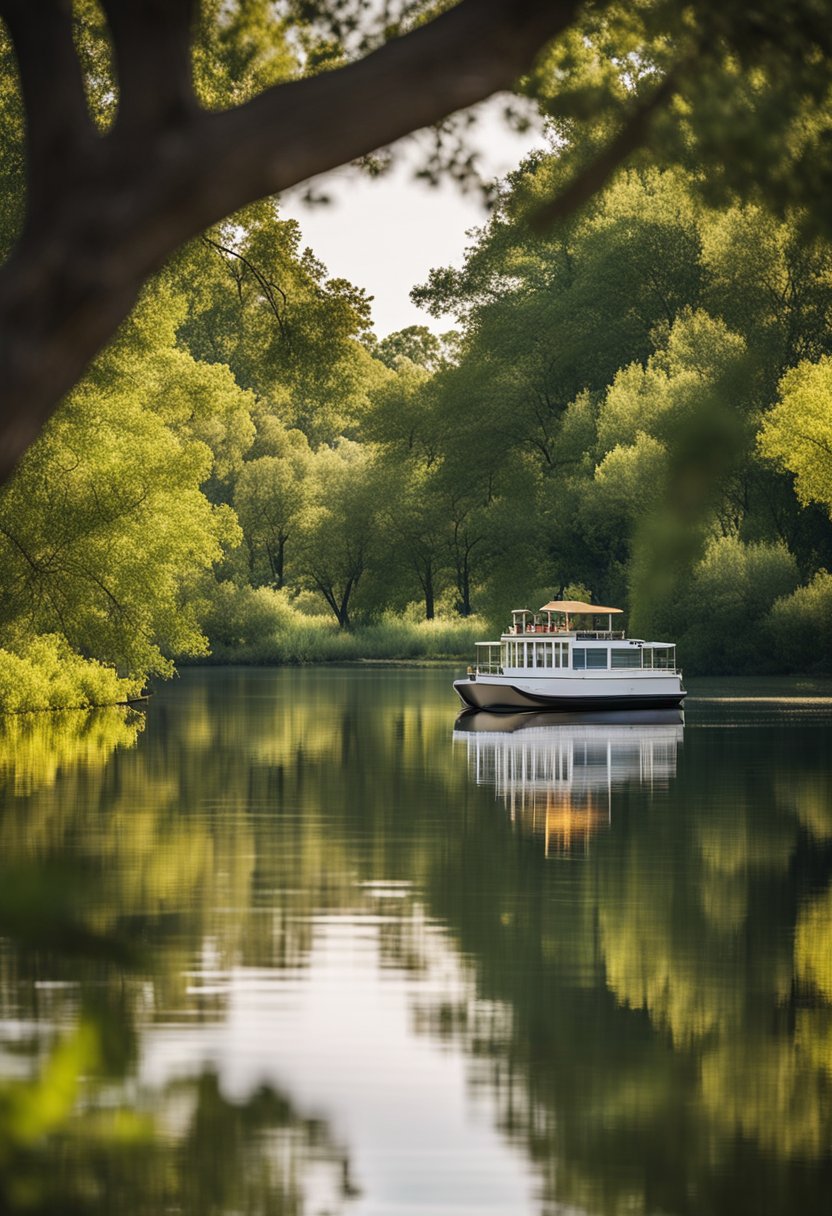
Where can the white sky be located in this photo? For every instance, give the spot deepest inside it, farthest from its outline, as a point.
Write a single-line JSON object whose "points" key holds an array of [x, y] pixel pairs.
{"points": [[386, 234]]}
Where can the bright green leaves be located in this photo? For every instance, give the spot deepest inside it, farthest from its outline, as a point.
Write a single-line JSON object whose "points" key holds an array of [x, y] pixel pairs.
{"points": [[797, 432], [45, 673], [341, 525], [265, 306], [105, 526], [241, 48]]}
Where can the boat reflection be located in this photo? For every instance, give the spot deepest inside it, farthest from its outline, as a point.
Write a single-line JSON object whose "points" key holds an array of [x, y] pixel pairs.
{"points": [[557, 773]]}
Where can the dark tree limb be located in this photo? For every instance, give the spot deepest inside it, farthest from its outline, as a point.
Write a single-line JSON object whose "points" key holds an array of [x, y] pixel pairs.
{"points": [[152, 44], [59, 129], [106, 214]]}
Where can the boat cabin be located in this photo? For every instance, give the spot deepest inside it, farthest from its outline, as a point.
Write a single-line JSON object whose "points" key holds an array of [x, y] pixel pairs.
{"points": [[563, 635]]}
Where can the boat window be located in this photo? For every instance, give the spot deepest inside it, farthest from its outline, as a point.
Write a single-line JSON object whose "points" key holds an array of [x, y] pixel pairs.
{"points": [[626, 656], [582, 657]]}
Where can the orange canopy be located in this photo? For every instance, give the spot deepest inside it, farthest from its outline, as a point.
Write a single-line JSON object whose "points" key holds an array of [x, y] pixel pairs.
{"points": [[574, 607]]}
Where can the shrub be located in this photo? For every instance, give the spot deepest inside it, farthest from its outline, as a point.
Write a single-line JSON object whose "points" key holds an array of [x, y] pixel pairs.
{"points": [[724, 607], [799, 627], [46, 673]]}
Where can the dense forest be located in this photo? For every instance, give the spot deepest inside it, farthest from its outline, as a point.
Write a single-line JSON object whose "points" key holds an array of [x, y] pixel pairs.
{"points": [[635, 403]]}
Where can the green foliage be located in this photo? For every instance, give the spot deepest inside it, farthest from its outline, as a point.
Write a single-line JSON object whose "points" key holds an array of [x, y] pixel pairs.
{"points": [[719, 618], [750, 102], [340, 531], [415, 343], [45, 673], [265, 306], [270, 498], [104, 529], [797, 432], [266, 626], [800, 627], [594, 419], [628, 356], [241, 47]]}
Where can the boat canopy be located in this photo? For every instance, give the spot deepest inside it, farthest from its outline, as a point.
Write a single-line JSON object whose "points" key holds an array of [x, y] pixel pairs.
{"points": [[577, 607]]}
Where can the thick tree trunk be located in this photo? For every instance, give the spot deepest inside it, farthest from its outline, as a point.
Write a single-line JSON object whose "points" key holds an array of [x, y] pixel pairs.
{"points": [[280, 562], [105, 211]]}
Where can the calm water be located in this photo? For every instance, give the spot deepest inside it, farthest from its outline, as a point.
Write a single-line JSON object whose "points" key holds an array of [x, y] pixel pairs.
{"points": [[299, 942]]}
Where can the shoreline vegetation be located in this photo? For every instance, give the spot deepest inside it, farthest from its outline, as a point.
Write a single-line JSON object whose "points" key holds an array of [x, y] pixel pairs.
{"points": [[46, 676]]}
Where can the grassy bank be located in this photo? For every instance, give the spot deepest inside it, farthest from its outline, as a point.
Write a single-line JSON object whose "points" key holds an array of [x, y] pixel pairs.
{"points": [[316, 640], [265, 626]]}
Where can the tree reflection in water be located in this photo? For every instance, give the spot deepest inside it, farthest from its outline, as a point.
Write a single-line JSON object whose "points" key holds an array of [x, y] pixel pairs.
{"points": [[73, 1137], [652, 1027]]}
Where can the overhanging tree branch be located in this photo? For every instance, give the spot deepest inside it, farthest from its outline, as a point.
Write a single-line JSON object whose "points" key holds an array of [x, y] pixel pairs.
{"points": [[59, 130], [103, 218], [152, 44]]}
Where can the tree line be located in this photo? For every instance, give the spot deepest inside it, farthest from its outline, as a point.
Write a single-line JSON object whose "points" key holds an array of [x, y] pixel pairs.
{"points": [[638, 404], [634, 403]]}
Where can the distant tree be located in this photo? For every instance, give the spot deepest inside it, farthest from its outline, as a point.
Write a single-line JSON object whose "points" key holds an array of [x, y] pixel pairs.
{"points": [[416, 343], [269, 498], [340, 527]]}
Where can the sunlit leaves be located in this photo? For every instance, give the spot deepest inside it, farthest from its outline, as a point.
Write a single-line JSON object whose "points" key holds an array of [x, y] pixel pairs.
{"points": [[797, 432], [105, 524]]}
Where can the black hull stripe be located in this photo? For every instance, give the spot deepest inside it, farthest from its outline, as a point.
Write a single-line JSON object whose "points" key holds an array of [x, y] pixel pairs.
{"points": [[507, 697]]}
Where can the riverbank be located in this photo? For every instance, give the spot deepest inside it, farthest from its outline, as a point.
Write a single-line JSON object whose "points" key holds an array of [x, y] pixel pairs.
{"points": [[305, 639]]}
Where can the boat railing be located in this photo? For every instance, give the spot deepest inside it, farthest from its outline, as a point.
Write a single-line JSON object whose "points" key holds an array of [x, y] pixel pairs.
{"points": [[489, 669], [521, 632], [603, 635]]}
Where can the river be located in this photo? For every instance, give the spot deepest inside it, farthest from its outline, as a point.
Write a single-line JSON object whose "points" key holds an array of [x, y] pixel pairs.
{"points": [[298, 941]]}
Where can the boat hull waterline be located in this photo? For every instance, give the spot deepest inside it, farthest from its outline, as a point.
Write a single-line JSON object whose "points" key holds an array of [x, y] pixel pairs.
{"points": [[502, 694]]}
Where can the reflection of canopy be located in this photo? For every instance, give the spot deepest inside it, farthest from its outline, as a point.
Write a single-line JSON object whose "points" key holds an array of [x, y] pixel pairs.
{"points": [[577, 606]]}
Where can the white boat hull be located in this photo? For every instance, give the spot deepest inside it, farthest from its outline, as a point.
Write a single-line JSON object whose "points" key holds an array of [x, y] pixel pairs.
{"points": [[627, 689]]}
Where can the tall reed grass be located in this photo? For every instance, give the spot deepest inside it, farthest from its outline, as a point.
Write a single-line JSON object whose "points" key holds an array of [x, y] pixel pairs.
{"points": [[262, 626]]}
